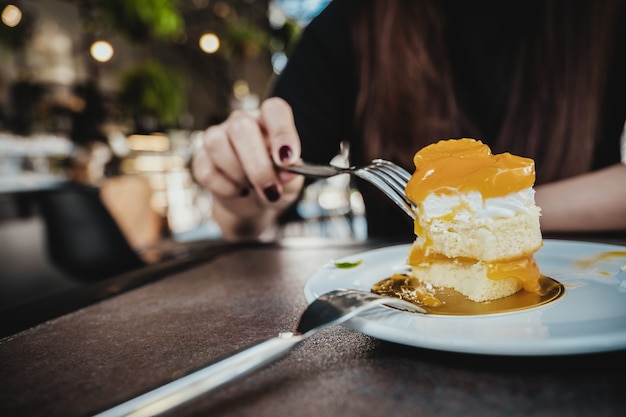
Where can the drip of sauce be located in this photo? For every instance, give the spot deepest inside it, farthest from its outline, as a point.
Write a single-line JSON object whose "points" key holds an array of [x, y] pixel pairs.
{"points": [[445, 301], [523, 269], [606, 256]]}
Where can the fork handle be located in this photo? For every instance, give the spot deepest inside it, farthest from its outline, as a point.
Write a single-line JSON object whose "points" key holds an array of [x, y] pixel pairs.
{"points": [[206, 379]]}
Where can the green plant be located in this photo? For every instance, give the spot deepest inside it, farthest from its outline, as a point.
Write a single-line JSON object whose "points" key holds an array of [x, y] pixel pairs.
{"points": [[142, 19], [149, 90], [290, 33]]}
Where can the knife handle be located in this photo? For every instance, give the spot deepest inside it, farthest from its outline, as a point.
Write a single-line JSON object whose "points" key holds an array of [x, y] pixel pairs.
{"points": [[207, 379]]}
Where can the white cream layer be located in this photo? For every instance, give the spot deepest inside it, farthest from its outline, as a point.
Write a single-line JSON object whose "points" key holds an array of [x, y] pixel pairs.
{"points": [[471, 206]]}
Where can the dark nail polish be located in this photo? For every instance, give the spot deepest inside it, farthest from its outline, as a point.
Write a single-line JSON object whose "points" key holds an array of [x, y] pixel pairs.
{"points": [[285, 152], [244, 192], [271, 193]]}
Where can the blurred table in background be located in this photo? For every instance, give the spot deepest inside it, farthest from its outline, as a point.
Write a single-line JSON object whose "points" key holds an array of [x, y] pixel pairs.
{"points": [[32, 163]]}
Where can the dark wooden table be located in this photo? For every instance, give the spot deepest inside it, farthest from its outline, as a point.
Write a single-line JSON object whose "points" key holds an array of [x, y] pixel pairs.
{"points": [[124, 344]]}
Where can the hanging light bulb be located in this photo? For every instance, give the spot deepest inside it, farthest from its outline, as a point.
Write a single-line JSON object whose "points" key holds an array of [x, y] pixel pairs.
{"points": [[209, 43], [11, 15], [101, 51]]}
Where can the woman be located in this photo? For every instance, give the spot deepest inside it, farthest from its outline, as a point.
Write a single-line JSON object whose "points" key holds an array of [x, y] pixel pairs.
{"points": [[542, 79]]}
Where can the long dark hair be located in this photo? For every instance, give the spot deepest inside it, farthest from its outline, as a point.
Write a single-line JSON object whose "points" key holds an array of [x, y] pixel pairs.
{"points": [[407, 85]]}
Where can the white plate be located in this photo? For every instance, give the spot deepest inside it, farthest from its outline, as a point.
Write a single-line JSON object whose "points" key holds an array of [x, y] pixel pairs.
{"points": [[590, 317]]}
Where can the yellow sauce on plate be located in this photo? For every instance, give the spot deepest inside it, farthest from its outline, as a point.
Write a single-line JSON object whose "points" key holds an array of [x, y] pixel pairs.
{"points": [[445, 301]]}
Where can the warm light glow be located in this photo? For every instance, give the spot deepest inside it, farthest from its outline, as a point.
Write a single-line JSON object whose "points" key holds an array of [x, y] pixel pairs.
{"points": [[241, 89], [149, 143], [101, 51], [11, 15], [152, 163], [209, 43]]}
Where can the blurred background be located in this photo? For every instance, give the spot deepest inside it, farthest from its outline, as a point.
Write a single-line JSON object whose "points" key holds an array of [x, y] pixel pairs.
{"points": [[102, 104]]}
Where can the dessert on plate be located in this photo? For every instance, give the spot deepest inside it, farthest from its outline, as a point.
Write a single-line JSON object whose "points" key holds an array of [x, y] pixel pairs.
{"points": [[477, 225]]}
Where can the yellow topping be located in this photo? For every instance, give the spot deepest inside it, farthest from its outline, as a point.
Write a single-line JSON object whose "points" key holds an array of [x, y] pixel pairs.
{"points": [[523, 269], [462, 165]]}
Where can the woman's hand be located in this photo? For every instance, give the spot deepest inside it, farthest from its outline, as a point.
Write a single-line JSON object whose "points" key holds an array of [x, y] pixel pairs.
{"points": [[237, 164]]}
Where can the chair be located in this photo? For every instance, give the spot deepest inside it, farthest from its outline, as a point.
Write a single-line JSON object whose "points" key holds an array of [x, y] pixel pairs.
{"points": [[83, 239]]}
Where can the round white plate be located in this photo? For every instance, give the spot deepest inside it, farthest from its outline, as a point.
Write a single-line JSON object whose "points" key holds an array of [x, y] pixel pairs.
{"points": [[590, 317]]}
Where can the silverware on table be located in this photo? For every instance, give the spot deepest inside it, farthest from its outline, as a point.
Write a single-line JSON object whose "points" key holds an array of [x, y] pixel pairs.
{"points": [[332, 308], [388, 177]]}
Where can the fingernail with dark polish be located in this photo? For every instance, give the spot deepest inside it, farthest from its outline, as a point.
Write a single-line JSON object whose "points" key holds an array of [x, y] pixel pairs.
{"points": [[271, 193], [285, 152], [244, 192]]}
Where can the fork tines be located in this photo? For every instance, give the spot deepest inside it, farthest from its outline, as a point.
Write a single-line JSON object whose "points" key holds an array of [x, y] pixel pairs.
{"points": [[391, 179]]}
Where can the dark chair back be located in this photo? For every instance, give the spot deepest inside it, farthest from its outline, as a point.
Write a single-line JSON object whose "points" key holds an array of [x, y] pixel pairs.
{"points": [[83, 239]]}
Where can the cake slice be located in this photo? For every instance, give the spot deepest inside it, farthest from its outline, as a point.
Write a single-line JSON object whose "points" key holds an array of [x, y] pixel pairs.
{"points": [[477, 225]]}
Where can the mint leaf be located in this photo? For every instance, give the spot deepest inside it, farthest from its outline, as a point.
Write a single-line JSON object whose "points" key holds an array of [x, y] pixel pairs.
{"points": [[347, 265]]}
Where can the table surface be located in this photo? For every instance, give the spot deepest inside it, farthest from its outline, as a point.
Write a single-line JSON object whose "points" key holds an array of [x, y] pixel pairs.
{"points": [[95, 357]]}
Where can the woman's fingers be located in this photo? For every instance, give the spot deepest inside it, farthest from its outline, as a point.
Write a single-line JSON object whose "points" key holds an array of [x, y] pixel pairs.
{"points": [[216, 166], [276, 118], [239, 156], [249, 144]]}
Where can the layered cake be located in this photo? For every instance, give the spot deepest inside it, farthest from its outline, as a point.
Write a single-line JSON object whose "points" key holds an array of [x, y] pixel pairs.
{"points": [[477, 225]]}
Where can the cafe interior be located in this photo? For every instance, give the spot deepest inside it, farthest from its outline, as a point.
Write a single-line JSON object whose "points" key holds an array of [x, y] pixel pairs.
{"points": [[100, 117], [119, 297]]}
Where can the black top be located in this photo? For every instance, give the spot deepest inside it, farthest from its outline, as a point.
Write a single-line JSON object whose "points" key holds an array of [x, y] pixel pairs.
{"points": [[320, 83]]}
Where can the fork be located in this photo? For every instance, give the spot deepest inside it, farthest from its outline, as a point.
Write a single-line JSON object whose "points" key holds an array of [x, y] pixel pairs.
{"points": [[332, 308], [388, 177]]}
